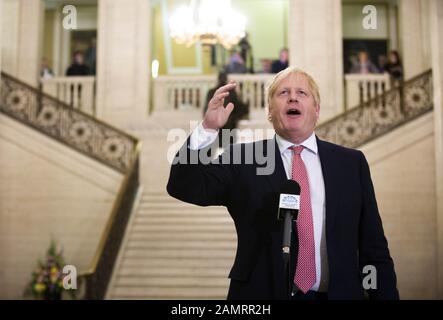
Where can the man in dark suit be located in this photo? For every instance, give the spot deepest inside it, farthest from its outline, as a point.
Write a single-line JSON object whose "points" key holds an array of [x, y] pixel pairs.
{"points": [[282, 62], [339, 232]]}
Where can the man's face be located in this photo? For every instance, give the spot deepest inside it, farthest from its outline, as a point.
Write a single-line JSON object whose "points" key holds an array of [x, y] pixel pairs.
{"points": [[292, 109], [363, 57], [284, 55], [79, 58]]}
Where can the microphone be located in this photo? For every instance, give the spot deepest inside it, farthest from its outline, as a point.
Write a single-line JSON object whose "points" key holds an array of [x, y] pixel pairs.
{"points": [[288, 207]]}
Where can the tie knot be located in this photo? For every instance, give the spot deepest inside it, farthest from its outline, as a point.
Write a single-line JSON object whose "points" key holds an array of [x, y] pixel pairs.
{"points": [[297, 149]]}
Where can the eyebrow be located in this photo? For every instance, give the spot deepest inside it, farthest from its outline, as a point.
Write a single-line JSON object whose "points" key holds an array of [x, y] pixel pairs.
{"points": [[297, 88]]}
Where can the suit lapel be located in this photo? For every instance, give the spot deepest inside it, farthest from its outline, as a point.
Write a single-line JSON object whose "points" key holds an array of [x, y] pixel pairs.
{"points": [[330, 170]]}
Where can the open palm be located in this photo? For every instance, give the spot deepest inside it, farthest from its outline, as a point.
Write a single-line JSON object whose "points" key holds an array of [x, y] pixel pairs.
{"points": [[217, 115]]}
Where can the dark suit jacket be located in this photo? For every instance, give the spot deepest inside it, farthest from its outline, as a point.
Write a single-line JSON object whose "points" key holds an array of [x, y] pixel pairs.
{"points": [[354, 232]]}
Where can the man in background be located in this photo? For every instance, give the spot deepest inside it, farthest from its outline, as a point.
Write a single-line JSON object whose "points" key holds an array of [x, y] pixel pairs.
{"points": [[282, 63]]}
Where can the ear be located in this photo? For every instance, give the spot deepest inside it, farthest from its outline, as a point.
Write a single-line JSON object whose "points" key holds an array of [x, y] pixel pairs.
{"points": [[269, 113], [317, 110]]}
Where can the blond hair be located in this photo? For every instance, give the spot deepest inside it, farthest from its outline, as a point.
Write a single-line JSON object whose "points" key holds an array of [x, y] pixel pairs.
{"points": [[313, 87]]}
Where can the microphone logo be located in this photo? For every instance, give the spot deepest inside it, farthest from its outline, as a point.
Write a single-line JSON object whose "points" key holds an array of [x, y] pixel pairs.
{"points": [[289, 201]]}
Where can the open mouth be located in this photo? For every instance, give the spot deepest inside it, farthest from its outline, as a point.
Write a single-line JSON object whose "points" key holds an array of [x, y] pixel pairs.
{"points": [[293, 112]]}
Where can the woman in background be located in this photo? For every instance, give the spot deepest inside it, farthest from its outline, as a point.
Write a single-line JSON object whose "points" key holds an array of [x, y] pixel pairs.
{"points": [[394, 67]]}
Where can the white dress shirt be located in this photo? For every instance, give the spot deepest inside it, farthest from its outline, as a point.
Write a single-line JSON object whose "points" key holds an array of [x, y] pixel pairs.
{"points": [[201, 138], [312, 163]]}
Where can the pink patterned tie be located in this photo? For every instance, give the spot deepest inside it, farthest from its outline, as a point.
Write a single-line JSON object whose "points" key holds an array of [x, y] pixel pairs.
{"points": [[305, 275]]}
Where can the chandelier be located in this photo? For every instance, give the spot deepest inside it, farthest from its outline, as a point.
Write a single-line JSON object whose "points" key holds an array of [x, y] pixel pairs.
{"points": [[207, 21]]}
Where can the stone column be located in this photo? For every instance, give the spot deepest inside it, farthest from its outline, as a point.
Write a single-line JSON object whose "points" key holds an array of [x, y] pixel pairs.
{"points": [[393, 27], [414, 36], [22, 42], [57, 36], [436, 27], [316, 46], [1, 44], [123, 61]]}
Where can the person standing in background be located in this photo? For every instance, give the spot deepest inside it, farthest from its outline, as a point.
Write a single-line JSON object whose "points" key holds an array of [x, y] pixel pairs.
{"points": [[78, 66], [236, 64], [46, 72], [91, 56], [394, 67], [282, 63], [246, 53], [364, 64]]}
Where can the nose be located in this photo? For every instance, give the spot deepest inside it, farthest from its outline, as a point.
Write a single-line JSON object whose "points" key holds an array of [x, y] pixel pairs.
{"points": [[293, 97]]}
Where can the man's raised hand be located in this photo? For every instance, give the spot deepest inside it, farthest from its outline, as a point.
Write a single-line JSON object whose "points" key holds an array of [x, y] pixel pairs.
{"points": [[217, 115]]}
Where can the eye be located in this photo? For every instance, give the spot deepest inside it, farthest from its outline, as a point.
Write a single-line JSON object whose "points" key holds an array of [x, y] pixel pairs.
{"points": [[283, 92], [302, 92]]}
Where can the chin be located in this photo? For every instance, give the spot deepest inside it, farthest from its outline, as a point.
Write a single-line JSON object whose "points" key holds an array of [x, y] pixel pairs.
{"points": [[293, 129]]}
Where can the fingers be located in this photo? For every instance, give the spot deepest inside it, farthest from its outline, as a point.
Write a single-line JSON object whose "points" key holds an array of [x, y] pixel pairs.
{"points": [[223, 92], [226, 88], [219, 97], [229, 109]]}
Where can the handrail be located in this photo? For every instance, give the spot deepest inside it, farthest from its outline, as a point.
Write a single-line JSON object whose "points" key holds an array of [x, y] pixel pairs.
{"points": [[100, 270], [394, 89], [380, 114], [74, 128], [69, 79]]}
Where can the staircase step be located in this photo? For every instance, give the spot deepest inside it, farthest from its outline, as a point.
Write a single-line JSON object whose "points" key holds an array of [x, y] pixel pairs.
{"points": [[161, 220], [157, 196], [207, 253], [180, 213], [174, 282], [215, 262], [182, 209], [225, 227], [184, 236], [177, 244], [179, 205], [174, 271]]}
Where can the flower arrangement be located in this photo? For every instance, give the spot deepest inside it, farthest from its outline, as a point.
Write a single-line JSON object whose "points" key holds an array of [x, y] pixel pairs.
{"points": [[47, 278]]}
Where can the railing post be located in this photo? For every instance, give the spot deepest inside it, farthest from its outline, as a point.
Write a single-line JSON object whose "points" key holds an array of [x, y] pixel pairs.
{"points": [[363, 87], [77, 92], [175, 91], [87, 98]]}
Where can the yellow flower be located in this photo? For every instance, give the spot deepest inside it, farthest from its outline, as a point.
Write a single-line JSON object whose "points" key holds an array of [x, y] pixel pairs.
{"points": [[39, 287], [54, 270], [54, 278]]}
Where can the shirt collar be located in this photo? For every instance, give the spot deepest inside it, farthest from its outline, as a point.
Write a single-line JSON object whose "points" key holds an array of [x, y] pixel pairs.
{"points": [[310, 143]]}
